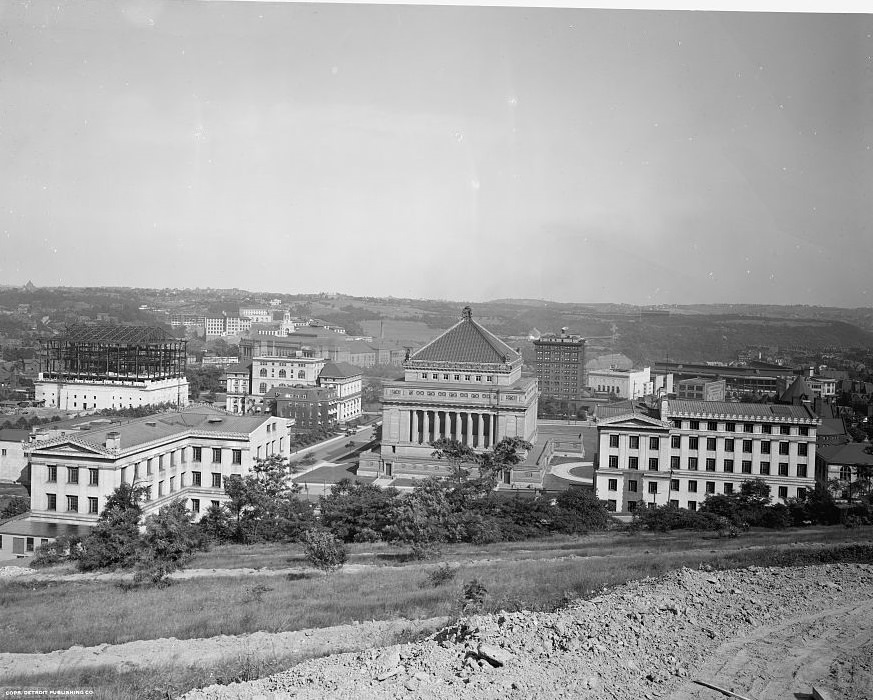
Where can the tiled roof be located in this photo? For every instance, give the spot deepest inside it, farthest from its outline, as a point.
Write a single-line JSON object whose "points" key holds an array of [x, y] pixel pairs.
{"points": [[849, 453], [466, 341], [754, 411], [799, 389], [339, 370], [14, 435]]}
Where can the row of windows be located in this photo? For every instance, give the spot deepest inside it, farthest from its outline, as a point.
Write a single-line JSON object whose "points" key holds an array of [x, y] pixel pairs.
{"points": [[730, 427], [457, 377], [73, 475], [727, 465], [72, 503], [711, 444], [283, 375], [692, 485]]}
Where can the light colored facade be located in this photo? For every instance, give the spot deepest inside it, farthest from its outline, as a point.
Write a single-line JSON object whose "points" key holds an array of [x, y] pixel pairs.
{"points": [[841, 465], [686, 450], [88, 396], [269, 372], [188, 454], [257, 314], [465, 384], [13, 462], [627, 384], [347, 382], [822, 387], [701, 389]]}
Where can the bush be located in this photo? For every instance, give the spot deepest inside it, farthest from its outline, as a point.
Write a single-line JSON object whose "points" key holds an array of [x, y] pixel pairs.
{"points": [[62, 549], [579, 510], [473, 597], [439, 576], [666, 518], [357, 512], [17, 505], [323, 550]]}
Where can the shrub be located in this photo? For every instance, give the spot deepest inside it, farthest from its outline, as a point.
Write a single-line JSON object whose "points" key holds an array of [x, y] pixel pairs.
{"points": [[357, 512], [579, 510], [473, 597], [323, 550], [666, 518], [17, 505], [62, 549], [440, 576]]}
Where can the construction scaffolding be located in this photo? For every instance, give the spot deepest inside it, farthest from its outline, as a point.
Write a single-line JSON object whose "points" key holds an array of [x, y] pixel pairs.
{"points": [[101, 353]]}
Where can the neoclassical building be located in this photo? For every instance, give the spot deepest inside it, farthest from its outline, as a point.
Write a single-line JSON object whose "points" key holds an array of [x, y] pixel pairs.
{"points": [[465, 384]]}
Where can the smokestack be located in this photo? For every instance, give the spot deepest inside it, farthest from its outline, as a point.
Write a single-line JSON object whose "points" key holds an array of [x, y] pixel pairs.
{"points": [[113, 440]]}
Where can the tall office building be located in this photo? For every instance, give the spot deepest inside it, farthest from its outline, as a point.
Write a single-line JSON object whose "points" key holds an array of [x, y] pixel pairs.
{"points": [[560, 365]]}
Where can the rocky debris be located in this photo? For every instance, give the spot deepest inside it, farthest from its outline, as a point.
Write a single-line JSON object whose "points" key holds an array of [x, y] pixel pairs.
{"points": [[640, 641]]}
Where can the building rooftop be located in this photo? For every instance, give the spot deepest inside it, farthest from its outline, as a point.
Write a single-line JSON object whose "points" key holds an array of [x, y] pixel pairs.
{"points": [[848, 453], [26, 527], [339, 370], [754, 411], [466, 341], [798, 390], [13, 435], [160, 426]]}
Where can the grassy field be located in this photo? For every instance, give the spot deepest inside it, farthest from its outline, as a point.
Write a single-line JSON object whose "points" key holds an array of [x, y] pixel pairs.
{"points": [[533, 574]]}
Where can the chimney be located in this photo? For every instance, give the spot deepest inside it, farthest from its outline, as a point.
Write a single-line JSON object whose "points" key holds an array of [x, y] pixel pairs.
{"points": [[113, 440], [664, 407]]}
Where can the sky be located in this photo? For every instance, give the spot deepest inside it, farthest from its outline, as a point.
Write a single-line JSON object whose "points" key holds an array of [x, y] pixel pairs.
{"points": [[644, 157]]}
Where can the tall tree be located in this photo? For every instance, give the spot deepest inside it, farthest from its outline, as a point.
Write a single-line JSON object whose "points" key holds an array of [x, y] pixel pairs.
{"points": [[457, 454]]}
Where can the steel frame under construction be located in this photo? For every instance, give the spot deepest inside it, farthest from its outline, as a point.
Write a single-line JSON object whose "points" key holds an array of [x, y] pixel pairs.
{"points": [[109, 353]]}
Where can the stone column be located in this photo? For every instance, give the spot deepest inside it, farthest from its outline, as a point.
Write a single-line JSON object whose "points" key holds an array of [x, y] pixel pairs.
{"points": [[486, 430], [470, 429], [426, 431]]}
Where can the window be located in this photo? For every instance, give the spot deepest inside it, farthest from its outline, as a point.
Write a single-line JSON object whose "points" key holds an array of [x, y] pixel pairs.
{"points": [[633, 462], [653, 487], [613, 462], [467, 377], [692, 505], [729, 445], [262, 373], [805, 432], [730, 427], [783, 468], [747, 446], [710, 444], [728, 465], [216, 480], [747, 466], [692, 463], [674, 484], [749, 427], [30, 544], [710, 465], [692, 442], [73, 504], [72, 475], [785, 430], [301, 374], [124, 475], [613, 440], [611, 505], [237, 456], [51, 501], [182, 480], [712, 425], [695, 425], [216, 455], [634, 442], [728, 488], [765, 468], [674, 462], [613, 485], [195, 505], [457, 377], [93, 477], [195, 479], [197, 454], [653, 464], [654, 442], [172, 484], [783, 448], [692, 486], [52, 475], [282, 374], [783, 492], [801, 471], [802, 449], [765, 448], [801, 492], [161, 463], [632, 506], [676, 442], [632, 485], [160, 489], [710, 487], [92, 504], [262, 388]]}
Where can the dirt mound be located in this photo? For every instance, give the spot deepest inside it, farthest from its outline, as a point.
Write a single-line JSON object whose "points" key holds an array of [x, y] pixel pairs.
{"points": [[646, 639]]}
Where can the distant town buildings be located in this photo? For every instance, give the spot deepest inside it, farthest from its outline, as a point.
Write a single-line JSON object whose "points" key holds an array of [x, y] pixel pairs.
{"points": [[629, 384], [701, 389], [679, 452], [112, 366]]}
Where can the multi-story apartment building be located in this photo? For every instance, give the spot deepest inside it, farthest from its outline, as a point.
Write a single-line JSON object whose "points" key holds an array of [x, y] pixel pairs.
{"points": [[269, 372], [682, 451], [560, 366], [185, 454], [347, 382], [308, 406], [629, 383]]}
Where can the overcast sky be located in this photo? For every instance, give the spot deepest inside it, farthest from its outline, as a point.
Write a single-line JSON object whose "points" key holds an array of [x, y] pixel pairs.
{"points": [[447, 152]]}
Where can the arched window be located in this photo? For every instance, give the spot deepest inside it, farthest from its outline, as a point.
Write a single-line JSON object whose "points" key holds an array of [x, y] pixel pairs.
{"points": [[263, 372], [845, 473], [282, 374], [263, 387], [301, 374]]}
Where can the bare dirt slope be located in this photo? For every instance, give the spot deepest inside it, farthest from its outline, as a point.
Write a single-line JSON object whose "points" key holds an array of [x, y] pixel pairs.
{"points": [[765, 632]]}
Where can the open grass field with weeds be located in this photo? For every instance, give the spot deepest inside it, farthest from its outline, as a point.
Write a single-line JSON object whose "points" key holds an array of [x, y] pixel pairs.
{"points": [[531, 575]]}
